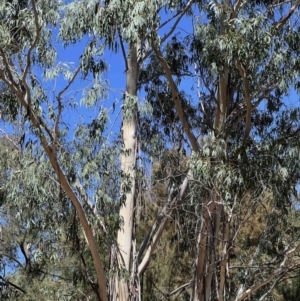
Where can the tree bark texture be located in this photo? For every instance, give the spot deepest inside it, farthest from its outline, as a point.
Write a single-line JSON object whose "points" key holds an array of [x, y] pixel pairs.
{"points": [[128, 161]]}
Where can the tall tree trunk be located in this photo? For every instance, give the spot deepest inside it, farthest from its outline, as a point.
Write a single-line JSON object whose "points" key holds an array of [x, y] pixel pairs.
{"points": [[128, 160]]}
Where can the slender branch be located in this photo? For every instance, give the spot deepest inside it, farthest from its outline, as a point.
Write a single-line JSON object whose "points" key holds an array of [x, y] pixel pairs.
{"points": [[7, 68], [271, 288], [9, 139], [269, 8], [158, 227], [279, 271], [251, 267], [83, 220], [288, 15], [60, 94], [217, 4], [36, 40], [176, 98], [256, 287], [153, 241], [238, 110], [37, 122], [17, 90], [169, 20], [247, 97], [85, 199], [154, 233], [13, 285], [178, 289], [283, 140], [167, 35], [241, 117], [28, 57], [60, 108], [123, 50], [12, 258]]}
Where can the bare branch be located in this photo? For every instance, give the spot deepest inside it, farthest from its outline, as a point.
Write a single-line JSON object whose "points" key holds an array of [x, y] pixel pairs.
{"points": [[60, 108], [160, 223], [276, 282], [13, 258], [169, 20], [247, 97], [13, 285], [60, 94], [167, 35], [123, 50]]}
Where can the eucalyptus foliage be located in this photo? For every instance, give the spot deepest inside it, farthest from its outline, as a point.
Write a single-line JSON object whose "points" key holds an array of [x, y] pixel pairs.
{"points": [[215, 77]]}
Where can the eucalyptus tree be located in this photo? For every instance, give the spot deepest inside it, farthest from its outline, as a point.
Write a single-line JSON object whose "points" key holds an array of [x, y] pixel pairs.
{"points": [[241, 54], [243, 57]]}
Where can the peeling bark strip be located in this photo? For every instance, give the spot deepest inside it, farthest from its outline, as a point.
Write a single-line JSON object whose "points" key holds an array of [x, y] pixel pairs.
{"points": [[128, 161]]}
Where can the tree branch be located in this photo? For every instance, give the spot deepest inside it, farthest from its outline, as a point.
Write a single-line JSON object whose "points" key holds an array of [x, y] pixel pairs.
{"points": [[36, 123], [158, 227], [83, 220], [12, 258], [247, 98], [123, 50], [7, 68], [282, 269], [160, 223], [60, 108], [178, 289], [36, 40], [33, 45], [176, 98], [167, 35], [288, 15], [13, 285], [85, 199]]}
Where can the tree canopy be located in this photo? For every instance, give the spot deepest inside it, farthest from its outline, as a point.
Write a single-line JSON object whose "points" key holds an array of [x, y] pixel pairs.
{"points": [[184, 184]]}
